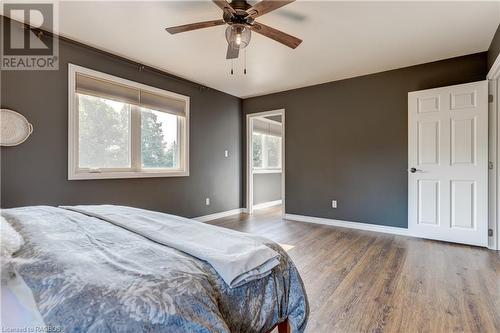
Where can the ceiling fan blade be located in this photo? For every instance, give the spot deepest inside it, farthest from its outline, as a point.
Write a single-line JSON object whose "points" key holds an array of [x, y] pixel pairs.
{"points": [[232, 53], [266, 6], [194, 26], [225, 6], [277, 35]]}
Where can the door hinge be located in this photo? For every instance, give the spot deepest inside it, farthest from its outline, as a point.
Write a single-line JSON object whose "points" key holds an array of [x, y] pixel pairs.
{"points": [[490, 232], [490, 165], [490, 98]]}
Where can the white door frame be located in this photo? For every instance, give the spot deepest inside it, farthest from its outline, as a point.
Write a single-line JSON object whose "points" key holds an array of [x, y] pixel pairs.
{"points": [[494, 152], [249, 153]]}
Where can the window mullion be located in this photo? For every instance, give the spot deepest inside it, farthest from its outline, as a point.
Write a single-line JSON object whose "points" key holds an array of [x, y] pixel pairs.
{"points": [[135, 137]]}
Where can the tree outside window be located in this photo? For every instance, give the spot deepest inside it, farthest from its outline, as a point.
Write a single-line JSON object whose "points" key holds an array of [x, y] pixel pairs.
{"points": [[266, 151], [104, 135]]}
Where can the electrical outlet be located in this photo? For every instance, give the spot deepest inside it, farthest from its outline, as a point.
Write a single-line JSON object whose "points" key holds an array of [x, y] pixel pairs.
{"points": [[207, 201], [334, 203], [226, 153]]}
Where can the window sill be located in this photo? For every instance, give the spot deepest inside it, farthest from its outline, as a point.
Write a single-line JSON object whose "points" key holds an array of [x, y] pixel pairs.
{"points": [[126, 174], [257, 171]]}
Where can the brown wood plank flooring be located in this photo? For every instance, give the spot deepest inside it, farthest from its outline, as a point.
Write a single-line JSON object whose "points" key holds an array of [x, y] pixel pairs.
{"points": [[360, 281]]}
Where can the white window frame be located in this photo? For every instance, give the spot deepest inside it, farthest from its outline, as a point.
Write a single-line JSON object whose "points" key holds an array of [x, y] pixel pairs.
{"points": [[265, 168], [77, 173]]}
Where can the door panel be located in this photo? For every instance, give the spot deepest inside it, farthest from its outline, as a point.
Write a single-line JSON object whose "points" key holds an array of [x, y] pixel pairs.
{"points": [[463, 141], [428, 104], [462, 204], [428, 202], [448, 163], [463, 100], [428, 142]]}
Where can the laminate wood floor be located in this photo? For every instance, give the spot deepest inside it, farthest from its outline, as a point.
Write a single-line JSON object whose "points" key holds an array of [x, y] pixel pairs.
{"points": [[360, 281]]}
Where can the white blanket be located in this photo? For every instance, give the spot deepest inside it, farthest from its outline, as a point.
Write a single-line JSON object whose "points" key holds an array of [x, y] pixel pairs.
{"points": [[18, 307], [238, 259]]}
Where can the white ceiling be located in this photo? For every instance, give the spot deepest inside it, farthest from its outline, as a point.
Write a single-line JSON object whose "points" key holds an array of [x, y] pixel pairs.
{"points": [[341, 39]]}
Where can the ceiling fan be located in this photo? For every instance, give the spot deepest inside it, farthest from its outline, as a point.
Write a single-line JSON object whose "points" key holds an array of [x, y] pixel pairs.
{"points": [[240, 18]]}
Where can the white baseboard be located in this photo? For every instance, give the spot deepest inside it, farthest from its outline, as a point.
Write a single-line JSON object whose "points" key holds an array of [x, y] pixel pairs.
{"points": [[220, 215], [348, 224], [267, 204]]}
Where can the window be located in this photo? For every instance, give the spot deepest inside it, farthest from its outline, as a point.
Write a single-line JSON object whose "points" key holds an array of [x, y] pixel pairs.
{"points": [[257, 150], [266, 142], [122, 129], [273, 151]]}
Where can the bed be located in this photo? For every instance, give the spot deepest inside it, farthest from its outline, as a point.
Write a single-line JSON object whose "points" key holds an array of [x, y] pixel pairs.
{"points": [[91, 273]]}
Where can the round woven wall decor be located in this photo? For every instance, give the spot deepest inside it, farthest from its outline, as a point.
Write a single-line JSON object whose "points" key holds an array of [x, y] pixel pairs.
{"points": [[14, 128]]}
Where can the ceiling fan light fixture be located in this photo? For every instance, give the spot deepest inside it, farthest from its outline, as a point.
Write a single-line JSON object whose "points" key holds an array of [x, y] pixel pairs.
{"points": [[240, 17], [238, 36]]}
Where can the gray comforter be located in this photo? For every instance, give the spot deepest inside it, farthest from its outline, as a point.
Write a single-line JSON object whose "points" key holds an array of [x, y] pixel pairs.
{"points": [[237, 258], [88, 275]]}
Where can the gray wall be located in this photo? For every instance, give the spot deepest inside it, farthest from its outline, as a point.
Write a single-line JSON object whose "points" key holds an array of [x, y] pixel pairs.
{"points": [[266, 187], [494, 49], [35, 172], [347, 140]]}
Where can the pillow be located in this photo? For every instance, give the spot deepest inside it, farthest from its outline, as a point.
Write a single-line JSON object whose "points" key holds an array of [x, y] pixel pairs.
{"points": [[10, 241]]}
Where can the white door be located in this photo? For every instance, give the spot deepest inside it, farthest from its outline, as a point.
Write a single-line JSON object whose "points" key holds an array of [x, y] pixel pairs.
{"points": [[448, 163]]}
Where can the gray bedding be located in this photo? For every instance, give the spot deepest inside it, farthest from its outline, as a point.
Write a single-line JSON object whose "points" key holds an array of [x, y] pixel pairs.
{"points": [[237, 258], [88, 275]]}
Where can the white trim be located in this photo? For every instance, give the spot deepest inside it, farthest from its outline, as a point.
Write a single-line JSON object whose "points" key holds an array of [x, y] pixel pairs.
{"points": [[493, 159], [75, 173], [494, 72], [258, 171], [249, 168], [494, 180], [283, 178], [127, 174], [494, 242], [215, 216], [349, 224], [362, 226], [267, 204]]}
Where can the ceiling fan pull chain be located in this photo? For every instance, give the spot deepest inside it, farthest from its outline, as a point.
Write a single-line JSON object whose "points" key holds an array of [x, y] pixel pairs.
{"points": [[245, 62], [232, 62]]}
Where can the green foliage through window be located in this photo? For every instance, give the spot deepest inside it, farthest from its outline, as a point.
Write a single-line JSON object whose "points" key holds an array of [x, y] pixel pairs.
{"points": [[257, 150], [266, 151], [105, 135], [156, 151]]}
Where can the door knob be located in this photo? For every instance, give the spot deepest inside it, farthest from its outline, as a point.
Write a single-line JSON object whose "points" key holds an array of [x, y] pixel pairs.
{"points": [[413, 170]]}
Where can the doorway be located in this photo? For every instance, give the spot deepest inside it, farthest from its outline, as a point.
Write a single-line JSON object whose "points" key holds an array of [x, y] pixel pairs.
{"points": [[265, 163]]}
